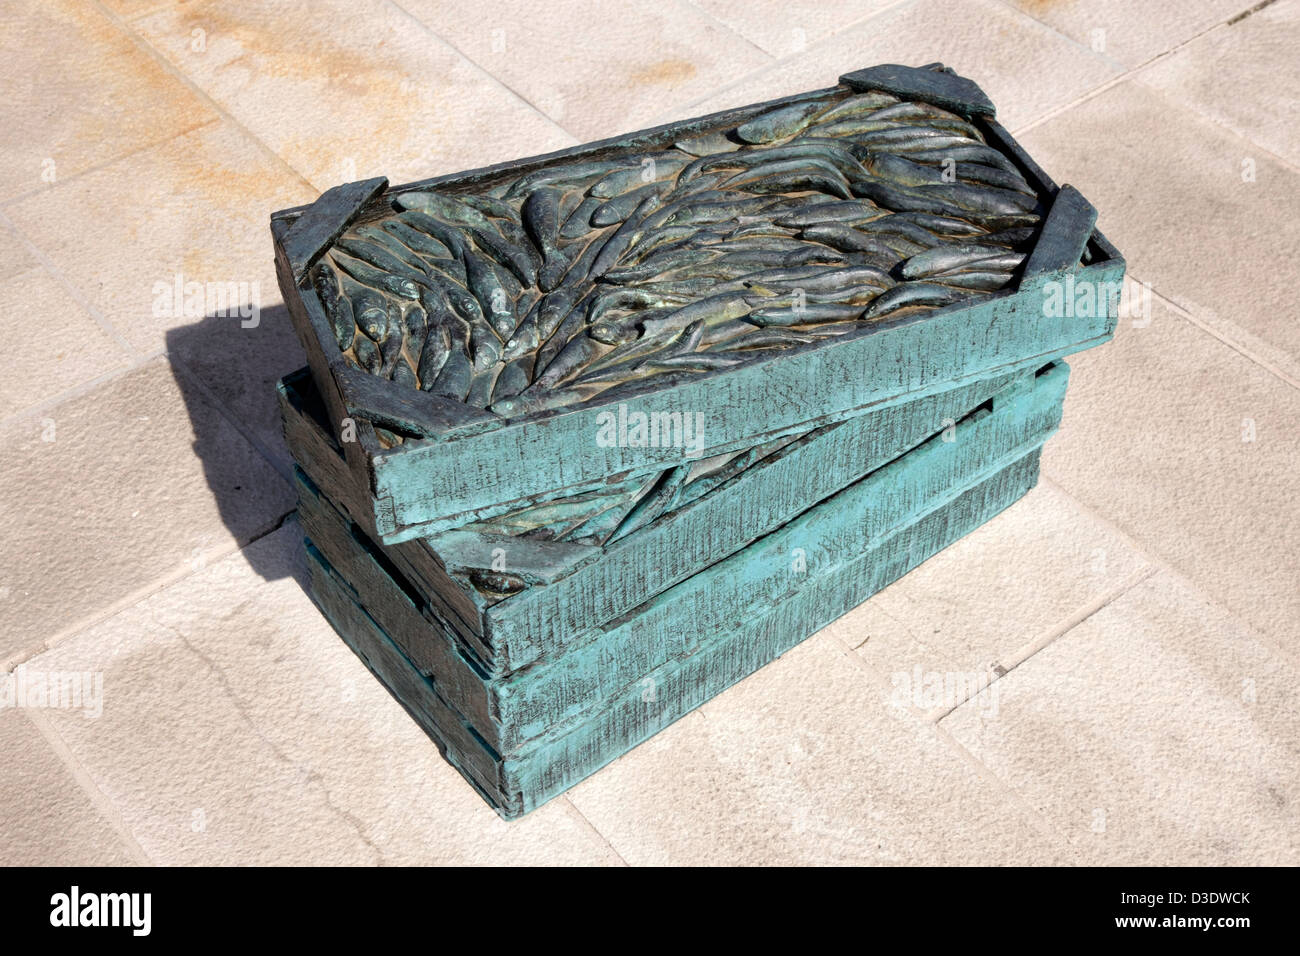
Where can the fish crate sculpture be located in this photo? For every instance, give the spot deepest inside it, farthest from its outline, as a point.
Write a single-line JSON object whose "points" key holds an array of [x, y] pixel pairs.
{"points": [[650, 411]]}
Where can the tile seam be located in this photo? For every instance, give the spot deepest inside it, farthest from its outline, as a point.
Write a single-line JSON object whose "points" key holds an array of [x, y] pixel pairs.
{"points": [[609, 844], [86, 783], [99, 167], [1007, 794], [128, 28], [437, 35]]}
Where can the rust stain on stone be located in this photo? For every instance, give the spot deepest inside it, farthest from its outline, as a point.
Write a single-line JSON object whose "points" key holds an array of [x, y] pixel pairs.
{"points": [[667, 72], [1033, 7], [271, 48]]}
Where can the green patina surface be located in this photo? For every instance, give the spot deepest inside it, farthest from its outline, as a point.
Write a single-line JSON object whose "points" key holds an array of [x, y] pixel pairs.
{"points": [[519, 782], [559, 334], [557, 714], [647, 412], [568, 588]]}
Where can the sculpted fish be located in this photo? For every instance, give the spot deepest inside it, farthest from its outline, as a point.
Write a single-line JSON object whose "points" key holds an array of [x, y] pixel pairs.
{"points": [[803, 221]]}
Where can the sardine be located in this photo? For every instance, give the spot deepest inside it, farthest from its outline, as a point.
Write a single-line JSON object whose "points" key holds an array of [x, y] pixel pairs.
{"points": [[387, 241], [617, 328], [569, 173], [514, 378], [847, 210], [617, 210], [342, 322], [367, 354], [911, 294], [449, 235], [855, 106], [845, 238], [800, 315], [622, 237], [403, 285], [984, 200], [835, 153], [486, 285], [652, 168], [707, 144], [541, 212], [404, 375], [579, 351], [484, 346], [521, 260], [461, 301], [380, 257], [1011, 237], [490, 205], [834, 280], [940, 225], [713, 308], [946, 258], [930, 115], [552, 309], [416, 240], [980, 281], [794, 175], [905, 198], [480, 387], [437, 346], [993, 176], [454, 378], [446, 208], [909, 137], [901, 170], [579, 222], [967, 152], [1004, 261], [781, 122], [619, 298], [371, 311]]}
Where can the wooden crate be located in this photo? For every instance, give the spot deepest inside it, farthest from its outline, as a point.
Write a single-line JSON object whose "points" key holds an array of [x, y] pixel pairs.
{"points": [[512, 713], [519, 781], [569, 587], [432, 463]]}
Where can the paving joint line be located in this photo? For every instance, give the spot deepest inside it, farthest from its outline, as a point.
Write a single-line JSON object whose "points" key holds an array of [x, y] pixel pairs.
{"points": [[914, 718], [701, 11], [100, 166], [77, 391], [141, 43], [283, 469], [58, 275], [1191, 110], [182, 570], [1053, 634], [781, 61], [594, 829], [1218, 334], [106, 808], [484, 70]]}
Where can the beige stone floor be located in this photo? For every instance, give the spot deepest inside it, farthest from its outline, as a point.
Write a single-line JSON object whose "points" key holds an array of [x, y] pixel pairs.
{"points": [[1140, 605]]}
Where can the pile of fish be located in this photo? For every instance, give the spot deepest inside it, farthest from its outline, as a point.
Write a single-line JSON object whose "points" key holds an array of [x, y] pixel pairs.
{"points": [[622, 507], [802, 223]]}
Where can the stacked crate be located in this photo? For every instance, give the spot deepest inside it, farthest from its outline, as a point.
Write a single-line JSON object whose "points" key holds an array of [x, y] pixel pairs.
{"points": [[587, 438]]}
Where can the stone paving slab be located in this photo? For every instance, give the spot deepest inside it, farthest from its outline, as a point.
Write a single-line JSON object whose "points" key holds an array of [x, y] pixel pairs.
{"points": [[1159, 731], [1144, 708]]}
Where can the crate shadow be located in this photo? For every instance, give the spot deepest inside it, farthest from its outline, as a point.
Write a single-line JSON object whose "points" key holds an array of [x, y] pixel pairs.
{"points": [[226, 368]]}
